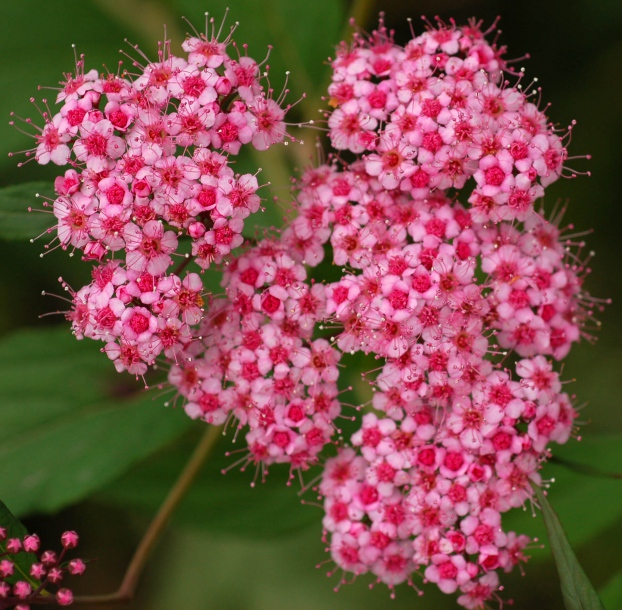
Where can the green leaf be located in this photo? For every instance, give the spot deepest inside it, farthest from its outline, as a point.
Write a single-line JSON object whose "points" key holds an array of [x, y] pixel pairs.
{"points": [[218, 503], [577, 590], [16, 221], [70, 424], [611, 593], [21, 560], [577, 494]]}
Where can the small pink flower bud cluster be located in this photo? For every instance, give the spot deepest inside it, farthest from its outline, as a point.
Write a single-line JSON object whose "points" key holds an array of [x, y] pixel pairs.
{"points": [[150, 167], [437, 112], [257, 361], [48, 568]]}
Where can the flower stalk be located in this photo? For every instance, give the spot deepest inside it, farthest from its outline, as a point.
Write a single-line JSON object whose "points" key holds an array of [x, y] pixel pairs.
{"points": [[145, 548]]}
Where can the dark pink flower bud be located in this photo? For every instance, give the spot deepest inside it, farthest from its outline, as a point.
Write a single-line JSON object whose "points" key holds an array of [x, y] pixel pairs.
{"points": [[76, 567], [69, 540], [6, 568], [22, 589], [48, 558], [55, 575], [5, 590], [38, 571], [31, 543], [13, 545], [64, 597]]}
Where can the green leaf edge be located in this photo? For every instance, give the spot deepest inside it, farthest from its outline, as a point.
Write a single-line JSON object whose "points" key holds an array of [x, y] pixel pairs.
{"points": [[89, 411], [22, 561], [611, 591], [577, 590]]}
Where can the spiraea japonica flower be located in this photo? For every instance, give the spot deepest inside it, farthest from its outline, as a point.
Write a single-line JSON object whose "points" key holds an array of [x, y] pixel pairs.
{"points": [[439, 113], [461, 287], [150, 152], [452, 279]]}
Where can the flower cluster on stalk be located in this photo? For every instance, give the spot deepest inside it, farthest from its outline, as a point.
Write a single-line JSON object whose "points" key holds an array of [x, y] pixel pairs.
{"points": [[452, 279], [18, 589]]}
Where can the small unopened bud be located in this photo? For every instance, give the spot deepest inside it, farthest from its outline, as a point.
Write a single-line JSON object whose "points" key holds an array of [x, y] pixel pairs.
{"points": [[196, 230], [22, 589], [55, 575], [223, 86], [64, 597], [13, 545], [31, 543], [48, 558], [76, 567], [69, 540], [6, 568], [38, 571]]}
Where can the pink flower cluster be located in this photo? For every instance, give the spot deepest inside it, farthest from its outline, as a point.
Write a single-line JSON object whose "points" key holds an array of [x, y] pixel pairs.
{"points": [[425, 490], [437, 112], [138, 315], [150, 168], [49, 569], [257, 361], [463, 306], [464, 311], [454, 439], [451, 279]]}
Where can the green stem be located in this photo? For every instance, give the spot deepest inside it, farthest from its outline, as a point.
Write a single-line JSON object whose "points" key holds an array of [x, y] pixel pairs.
{"points": [[130, 580]]}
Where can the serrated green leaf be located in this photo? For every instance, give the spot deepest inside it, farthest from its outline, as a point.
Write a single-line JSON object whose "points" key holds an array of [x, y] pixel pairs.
{"points": [[577, 589], [16, 221], [70, 424], [22, 560], [222, 504]]}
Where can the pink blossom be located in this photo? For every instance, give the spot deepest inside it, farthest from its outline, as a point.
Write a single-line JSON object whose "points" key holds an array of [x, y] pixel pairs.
{"points": [[52, 142], [97, 145], [149, 248]]}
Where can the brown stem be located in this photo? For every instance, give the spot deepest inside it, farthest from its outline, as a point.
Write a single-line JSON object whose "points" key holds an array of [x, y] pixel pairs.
{"points": [[128, 586], [182, 266]]}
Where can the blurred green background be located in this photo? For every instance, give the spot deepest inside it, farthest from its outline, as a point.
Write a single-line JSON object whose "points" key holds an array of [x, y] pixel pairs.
{"points": [[233, 548]]}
